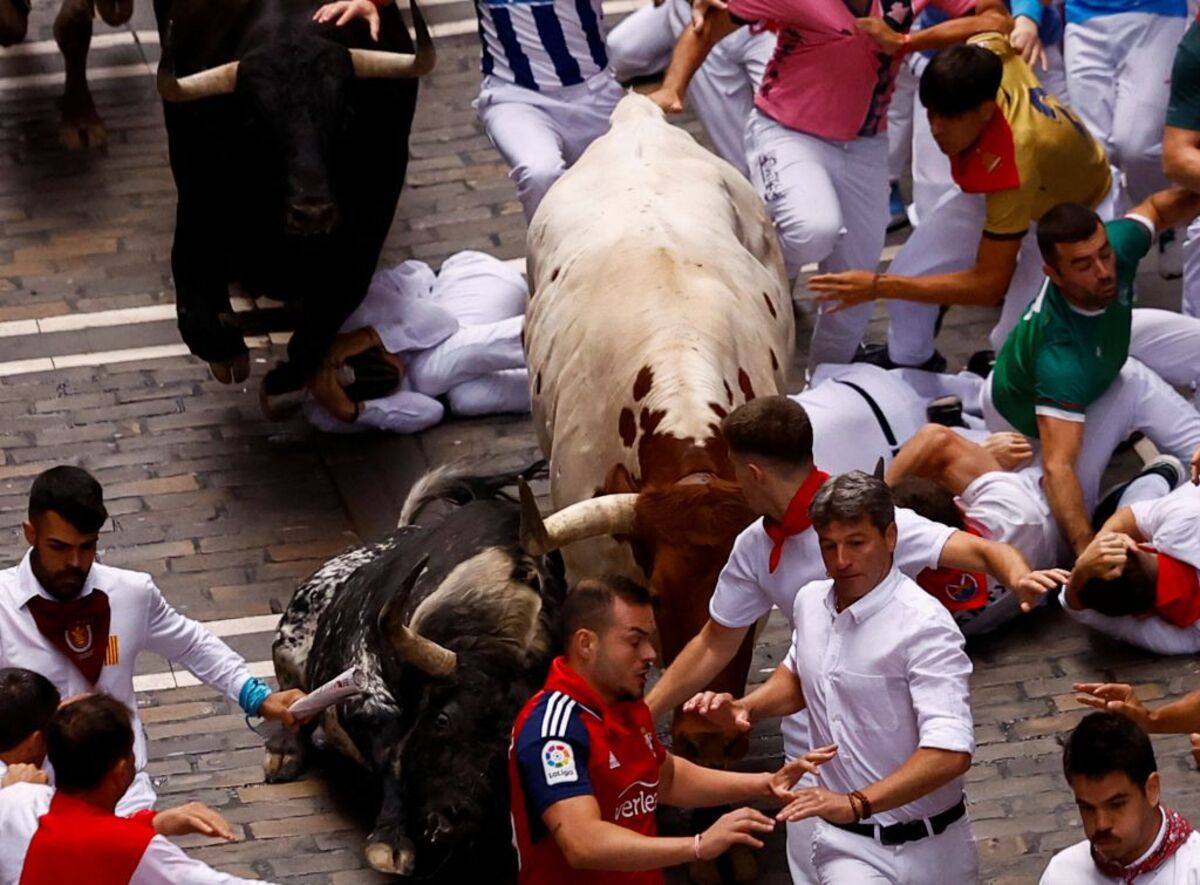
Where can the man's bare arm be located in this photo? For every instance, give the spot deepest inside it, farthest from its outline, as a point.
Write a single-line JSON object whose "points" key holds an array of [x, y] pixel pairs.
{"points": [[691, 50], [1181, 156], [1061, 442], [1169, 208], [696, 666]]}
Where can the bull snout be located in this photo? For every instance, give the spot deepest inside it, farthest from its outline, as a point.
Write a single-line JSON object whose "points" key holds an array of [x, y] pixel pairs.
{"points": [[697, 740], [307, 216]]}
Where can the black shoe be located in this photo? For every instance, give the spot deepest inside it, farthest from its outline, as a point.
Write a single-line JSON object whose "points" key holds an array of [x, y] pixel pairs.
{"points": [[982, 362], [945, 410], [877, 355], [897, 211], [1166, 466]]}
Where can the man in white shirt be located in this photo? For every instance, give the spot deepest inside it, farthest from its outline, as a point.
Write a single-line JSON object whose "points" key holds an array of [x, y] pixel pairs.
{"points": [[880, 666], [1110, 765], [82, 624], [770, 444], [1147, 597], [27, 701], [90, 743]]}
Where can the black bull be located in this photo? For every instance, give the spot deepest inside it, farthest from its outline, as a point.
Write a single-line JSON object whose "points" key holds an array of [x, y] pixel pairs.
{"points": [[452, 624], [288, 166]]}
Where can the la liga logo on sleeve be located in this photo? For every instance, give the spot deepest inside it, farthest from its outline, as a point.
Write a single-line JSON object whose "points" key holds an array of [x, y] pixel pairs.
{"points": [[558, 763]]}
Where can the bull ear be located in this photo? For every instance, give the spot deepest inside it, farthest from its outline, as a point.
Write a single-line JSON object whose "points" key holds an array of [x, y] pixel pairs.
{"points": [[534, 539], [879, 470]]}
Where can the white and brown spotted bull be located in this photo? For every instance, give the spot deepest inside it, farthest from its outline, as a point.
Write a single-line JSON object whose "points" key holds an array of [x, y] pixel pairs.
{"points": [[452, 623], [660, 303]]}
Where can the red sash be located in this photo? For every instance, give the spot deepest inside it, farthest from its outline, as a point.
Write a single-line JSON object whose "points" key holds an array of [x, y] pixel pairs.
{"points": [[795, 519], [1178, 592], [959, 591], [78, 842], [78, 629], [1178, 831]]}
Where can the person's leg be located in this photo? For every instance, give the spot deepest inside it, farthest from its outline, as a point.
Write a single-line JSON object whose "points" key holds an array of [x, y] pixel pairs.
{"points": [[1090, 61], [506, 391], [1054, 78], [587, 113], [800, 852], [1190, 301], [139, 797], [476, 288], [1169, 343], [722, 92], [946, 241], [641, 44], [526, 137], [900, 124], [967, 386], [468, 353], [843, 858], [931, 168], [1143, 83], [1027, 280], [952, 853]]}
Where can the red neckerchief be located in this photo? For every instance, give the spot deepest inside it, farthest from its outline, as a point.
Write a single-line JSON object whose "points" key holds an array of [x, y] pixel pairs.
{"points": [[958, 590], [991, 165], [563, 678], [79, 629], [1177, 595], [795, 519], [1178, 831], [76, 841]]}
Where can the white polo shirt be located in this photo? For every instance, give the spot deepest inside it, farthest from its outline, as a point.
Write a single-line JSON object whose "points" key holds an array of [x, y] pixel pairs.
{"points": [[1074, 865], [20, 807], [1172, 523], [141, 619], [883, 678], [746, 589]]}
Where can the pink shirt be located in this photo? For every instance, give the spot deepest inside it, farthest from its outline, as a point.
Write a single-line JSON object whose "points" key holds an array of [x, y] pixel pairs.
{"points": [[826, 78]]}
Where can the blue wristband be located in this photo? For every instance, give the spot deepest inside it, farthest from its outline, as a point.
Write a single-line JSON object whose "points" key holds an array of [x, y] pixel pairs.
{"points": [[253, 693]]}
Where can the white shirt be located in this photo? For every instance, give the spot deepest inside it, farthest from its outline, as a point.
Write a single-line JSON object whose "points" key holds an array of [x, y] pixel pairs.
{"points": [[746, 589], [1153, 633], [1074, 865], [141, 620], [164, 862], [1172, 523], [885, 677]]}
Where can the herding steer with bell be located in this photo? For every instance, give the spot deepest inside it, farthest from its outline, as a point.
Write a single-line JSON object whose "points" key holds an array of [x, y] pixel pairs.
{"points": [[452, 623]]}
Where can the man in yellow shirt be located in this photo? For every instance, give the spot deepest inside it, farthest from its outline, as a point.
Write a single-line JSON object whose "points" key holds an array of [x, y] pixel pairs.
{"points": [[1015, 151]]}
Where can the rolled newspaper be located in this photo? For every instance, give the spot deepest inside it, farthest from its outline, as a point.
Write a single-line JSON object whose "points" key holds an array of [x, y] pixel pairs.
{"points": [[352, 682]]}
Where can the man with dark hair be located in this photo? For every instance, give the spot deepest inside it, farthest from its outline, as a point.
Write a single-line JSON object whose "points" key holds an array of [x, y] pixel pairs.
{"points": [[587, 772], [1072, 344], [1015, 151], [27, 701], [1109, 763], [947, 478], [880, 667], [82, 624], [777, 555], [90, 742], [1147, 597]]}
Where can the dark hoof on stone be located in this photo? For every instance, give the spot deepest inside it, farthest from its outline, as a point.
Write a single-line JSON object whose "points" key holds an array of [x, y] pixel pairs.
{"points": [[232, 371]]}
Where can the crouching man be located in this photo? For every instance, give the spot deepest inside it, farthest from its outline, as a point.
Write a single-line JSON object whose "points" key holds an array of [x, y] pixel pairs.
{"points": [[880, 666], [587, 771]]}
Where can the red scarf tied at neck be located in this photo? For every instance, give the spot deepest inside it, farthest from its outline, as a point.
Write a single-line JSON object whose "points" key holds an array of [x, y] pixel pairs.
{"points": [[795, 519], [78, 629], [1178, 831]]}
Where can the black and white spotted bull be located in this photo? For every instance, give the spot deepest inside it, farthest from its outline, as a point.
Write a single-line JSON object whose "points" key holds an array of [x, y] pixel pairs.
{"points": [[453, 625]]}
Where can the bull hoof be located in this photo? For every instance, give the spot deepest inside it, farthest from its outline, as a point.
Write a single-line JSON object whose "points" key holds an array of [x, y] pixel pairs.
{"points": [[77, 135], [282, 767], [232, 371], [704, 872], [395, 861], [742, 864]]}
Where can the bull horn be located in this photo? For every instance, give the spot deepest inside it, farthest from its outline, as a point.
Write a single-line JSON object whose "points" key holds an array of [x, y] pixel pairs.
{"points": [[424, 654], [221, 80], [604, 515], [379, 64]]}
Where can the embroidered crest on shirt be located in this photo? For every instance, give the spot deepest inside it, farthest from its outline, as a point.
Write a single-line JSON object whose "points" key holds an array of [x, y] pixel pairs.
{"points": [[79, 637], [558, 763]]}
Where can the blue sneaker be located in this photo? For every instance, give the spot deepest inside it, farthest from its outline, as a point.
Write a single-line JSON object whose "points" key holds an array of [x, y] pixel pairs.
{"points": [[897, 209]]}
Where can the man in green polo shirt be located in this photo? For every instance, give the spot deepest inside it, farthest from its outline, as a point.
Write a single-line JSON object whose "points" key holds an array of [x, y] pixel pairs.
{"points": [[1072, 343], [1181, 150]]}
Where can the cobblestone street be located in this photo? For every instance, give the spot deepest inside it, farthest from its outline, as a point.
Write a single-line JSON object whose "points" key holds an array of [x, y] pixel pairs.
{"points": [[228, 511]]}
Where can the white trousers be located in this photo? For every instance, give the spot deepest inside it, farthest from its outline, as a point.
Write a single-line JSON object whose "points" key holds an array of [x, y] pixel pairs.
{"points": [[1137, 400], [946, 241], [1118, 75], [829, 202], [901, 116], [139, 797], [844, 858], [721, 92], [541, 133], [1168, 343], [1190, 302]]}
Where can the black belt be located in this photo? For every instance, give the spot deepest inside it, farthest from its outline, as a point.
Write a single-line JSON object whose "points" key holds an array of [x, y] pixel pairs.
{"points": [[909, 831], [878, 412]]}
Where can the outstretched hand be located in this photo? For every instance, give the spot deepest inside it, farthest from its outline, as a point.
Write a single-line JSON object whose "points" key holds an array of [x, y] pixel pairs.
{"points": [[721, 709], [782, 781], [1035, 585], [1009, 449], [194, 817], [839, 291], [1115, 697], [346, 11]]}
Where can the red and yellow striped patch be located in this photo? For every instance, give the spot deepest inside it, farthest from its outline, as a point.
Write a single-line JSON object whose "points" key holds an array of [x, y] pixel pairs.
{"points": [[112, 656]]}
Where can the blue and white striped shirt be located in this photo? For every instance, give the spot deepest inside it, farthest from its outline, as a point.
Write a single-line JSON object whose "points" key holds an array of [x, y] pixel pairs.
{"points": [[542, 43]]}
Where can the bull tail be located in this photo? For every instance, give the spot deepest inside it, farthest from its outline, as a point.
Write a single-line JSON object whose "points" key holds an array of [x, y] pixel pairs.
{"points": [[459, 483]]}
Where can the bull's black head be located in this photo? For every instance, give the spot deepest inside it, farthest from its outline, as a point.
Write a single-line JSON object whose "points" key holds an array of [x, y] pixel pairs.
{"points": [[295, 101]]}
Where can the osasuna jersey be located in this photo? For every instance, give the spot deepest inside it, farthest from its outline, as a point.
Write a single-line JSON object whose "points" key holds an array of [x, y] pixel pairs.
{"points": [[568, 743], [542, 44]]}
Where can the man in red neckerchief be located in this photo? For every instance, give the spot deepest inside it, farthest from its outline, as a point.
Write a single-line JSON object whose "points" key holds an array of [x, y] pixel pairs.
{"points": [[80, 839], [1131, 838], [587, 772], [82, 624], [977, 488], [770, 443]]}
